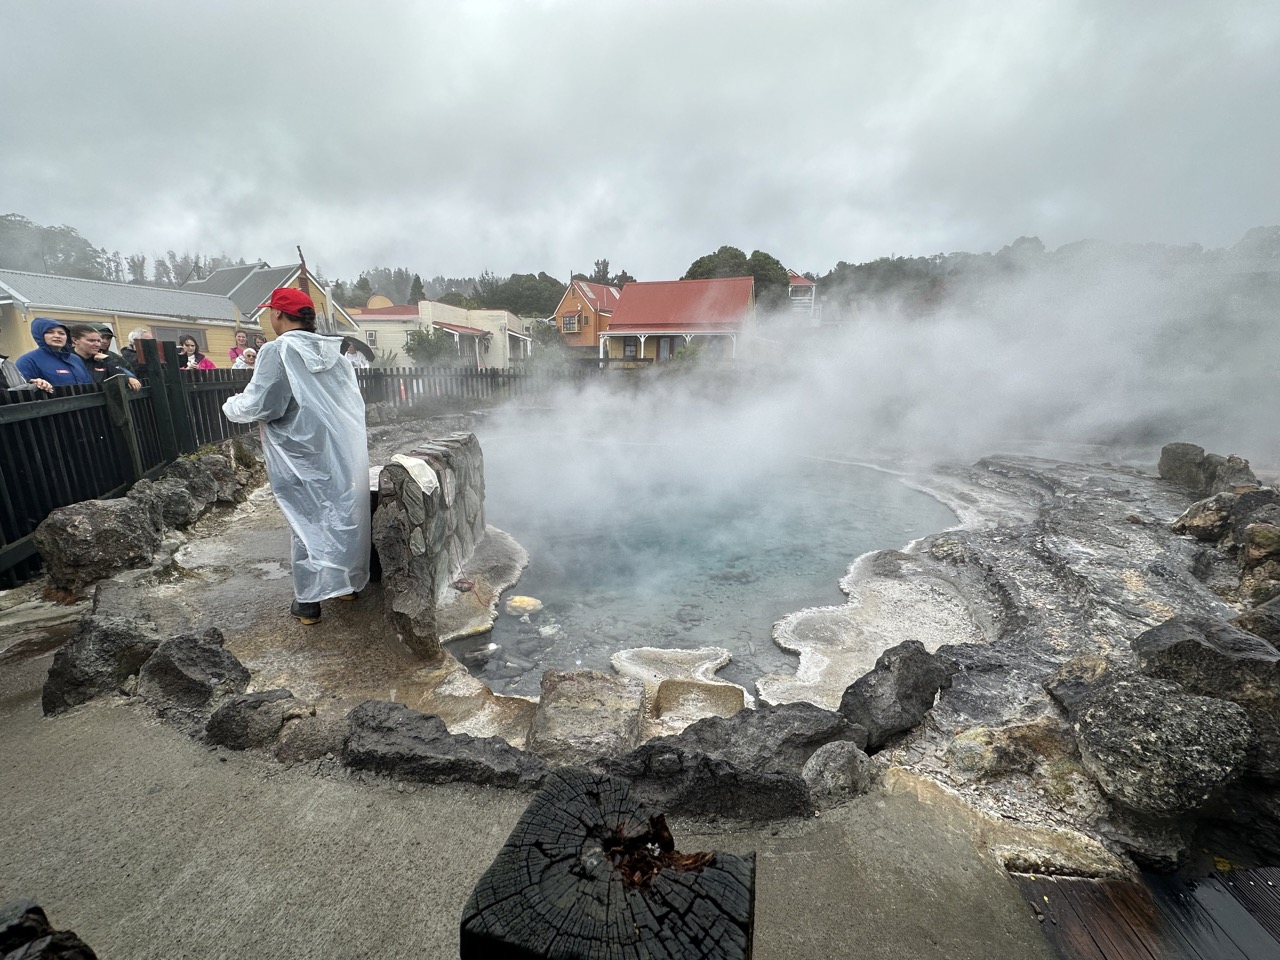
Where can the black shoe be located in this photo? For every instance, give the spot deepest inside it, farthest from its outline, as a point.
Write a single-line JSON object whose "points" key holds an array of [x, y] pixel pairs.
{"points": [[307, 613]]}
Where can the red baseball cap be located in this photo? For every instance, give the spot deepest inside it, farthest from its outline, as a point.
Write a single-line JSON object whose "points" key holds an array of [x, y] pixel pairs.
{"points": [[288, 299]]}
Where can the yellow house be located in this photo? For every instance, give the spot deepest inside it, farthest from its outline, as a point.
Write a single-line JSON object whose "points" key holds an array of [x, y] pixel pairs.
{"points": [[167, 312], [211, 310]]}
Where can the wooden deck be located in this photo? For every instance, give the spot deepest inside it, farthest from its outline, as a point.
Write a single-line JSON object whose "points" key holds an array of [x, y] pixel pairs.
{"points": [[1225, 916]]}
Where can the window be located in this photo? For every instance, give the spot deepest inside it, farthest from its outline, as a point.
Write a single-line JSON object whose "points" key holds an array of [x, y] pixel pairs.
{"points": [[371, 337], [177, 333], [569, 324], [629, 348]]}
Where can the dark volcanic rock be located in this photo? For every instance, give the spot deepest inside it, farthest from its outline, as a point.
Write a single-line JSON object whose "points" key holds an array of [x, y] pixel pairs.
{"points": [[775, 739], [391, 739], [836, 772], [748, 766], [1207, 519], [1213, 659], [680, 779], [103, 654], [191, 673], [253, 719], [1151, 747], [1188, 465], [1263, 621], [26, 934], [93, 539], [169, 502], [895, 696]]}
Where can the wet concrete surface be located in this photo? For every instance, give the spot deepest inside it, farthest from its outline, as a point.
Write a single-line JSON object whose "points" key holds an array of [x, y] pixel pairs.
{"points": [[151, 845]]}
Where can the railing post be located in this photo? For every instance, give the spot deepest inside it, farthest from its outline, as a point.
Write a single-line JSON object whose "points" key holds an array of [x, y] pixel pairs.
{"points": [[153, 370], [116, 391], [176, 388]]}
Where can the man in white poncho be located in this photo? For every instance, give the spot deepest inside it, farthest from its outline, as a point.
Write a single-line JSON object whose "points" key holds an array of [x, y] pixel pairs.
{"points": [[304, 395]]}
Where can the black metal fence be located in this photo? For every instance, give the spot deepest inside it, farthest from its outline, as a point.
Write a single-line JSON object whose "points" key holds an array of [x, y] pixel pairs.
{"points": [[94, 442]]}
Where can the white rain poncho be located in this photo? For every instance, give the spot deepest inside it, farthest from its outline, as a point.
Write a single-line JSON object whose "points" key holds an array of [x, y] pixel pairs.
{"points": [[305, 395]]}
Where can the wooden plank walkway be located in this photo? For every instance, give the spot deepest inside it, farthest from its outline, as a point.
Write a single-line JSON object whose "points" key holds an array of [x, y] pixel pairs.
{"points": [[1225, 916]]}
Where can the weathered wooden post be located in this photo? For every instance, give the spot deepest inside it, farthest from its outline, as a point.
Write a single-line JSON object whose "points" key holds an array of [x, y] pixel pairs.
{"points": [[116, 391], [589, 873]]}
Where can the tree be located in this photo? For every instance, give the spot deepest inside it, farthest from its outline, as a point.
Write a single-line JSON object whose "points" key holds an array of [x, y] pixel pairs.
{"points": [[456, 298], [622, 277], [771, 280], [430, 346], [725, 262], [163, 273], [416, 293], [601, 272], [137, 266], [487, 290], [362, 291]]}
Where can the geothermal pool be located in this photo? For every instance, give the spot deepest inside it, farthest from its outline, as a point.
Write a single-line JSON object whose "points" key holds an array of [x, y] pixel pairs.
{"points": [[649, 544]]}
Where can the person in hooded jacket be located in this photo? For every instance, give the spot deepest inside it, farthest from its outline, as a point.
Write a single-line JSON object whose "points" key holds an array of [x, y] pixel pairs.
{"points": [[53, 360], [313, 438]]}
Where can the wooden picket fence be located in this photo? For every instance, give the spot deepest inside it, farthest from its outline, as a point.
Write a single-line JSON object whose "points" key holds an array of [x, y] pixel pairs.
{"points": [[94, 442]]}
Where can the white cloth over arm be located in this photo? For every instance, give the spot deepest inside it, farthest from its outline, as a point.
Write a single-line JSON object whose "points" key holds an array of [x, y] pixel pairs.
{"points": [[317, 454]]}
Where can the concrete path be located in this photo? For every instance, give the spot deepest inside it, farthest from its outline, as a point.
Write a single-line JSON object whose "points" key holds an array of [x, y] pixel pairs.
{"points": [[150, 845]]}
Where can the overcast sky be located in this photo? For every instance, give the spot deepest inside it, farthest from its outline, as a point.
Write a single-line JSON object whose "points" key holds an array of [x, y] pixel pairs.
{"points": [[455, 137]]}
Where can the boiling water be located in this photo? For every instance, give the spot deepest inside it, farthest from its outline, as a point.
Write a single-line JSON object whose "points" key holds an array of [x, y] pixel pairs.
{"points": [[648, 545]]}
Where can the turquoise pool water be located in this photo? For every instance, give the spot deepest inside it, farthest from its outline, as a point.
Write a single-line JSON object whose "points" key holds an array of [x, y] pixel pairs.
{"points": [[647, 544]]}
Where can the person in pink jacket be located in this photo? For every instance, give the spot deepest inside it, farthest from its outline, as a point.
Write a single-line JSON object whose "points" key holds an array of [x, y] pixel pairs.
{"points": [[192, 358]]}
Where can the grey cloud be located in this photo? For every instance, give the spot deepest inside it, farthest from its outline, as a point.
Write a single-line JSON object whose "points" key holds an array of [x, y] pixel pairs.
{"points": [[523, 136]]}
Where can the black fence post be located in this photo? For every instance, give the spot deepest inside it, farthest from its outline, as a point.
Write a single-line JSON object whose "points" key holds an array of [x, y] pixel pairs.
{"points": [[153, 368], [116, 391], [176, 389]]}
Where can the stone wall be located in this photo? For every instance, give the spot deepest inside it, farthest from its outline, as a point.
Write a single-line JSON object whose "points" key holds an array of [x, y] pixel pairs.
{"points": [[429, 519]]}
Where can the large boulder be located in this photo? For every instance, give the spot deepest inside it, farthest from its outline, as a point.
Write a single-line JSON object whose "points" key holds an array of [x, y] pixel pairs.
{"points": [[191, 674], [1204, 473], [776, 739], [104, 653], [1207, 519], [390, 739], [897, 693], [170, 502], [254, 719], [1262, 621], [26, 934], [837, 772], [1151, 748], [93, 539], [672, 775], [583, 714], [1210, 658]]}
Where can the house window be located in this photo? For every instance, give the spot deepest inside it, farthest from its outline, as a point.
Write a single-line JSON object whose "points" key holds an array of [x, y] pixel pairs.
{"points": [[629, 348], [371, 337], [177, 333], [569, 324]]}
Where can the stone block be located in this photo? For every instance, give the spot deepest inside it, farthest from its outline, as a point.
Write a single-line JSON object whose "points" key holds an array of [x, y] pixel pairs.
{"points": [[584, 714]]}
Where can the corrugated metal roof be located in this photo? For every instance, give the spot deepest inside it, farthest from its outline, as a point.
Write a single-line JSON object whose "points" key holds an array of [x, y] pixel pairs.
{"points": [[223, 281], [685, 305], [257, 287], [602, 297], [46, 290]]}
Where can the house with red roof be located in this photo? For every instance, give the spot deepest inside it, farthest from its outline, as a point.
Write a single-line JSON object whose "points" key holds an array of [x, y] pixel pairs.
{"points": [[802, 296], [654, 319], [584, 312]]}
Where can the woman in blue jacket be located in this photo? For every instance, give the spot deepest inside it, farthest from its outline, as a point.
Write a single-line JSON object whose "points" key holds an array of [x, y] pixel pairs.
{"points": [[53, 359]]}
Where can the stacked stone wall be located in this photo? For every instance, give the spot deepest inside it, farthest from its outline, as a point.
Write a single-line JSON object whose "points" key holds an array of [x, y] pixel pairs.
{"points": [[430, 517]]}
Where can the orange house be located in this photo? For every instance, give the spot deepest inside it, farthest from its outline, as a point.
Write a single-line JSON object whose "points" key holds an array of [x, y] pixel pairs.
{"points": [[657, 318], [583, 314]]}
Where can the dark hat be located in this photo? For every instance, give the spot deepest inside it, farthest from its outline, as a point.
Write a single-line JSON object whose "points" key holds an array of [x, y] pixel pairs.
{"points": [[289, 300], [104, 328]]}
